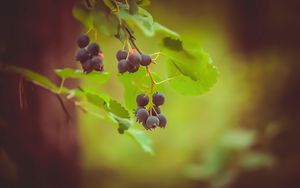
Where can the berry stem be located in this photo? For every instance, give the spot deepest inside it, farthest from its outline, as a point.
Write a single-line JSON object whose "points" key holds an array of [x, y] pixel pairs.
{"points": [[61, 85], [132, 39]]}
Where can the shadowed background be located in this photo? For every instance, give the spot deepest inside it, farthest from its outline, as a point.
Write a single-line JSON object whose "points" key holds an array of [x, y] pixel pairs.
{"points": [[242, 133]]}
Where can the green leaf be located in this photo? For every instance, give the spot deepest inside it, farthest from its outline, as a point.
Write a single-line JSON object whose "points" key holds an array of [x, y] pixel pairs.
{"points": [[144, 21], [96, 100], [142, 139], [135, 84], [133, 7], [123, 123], [100, 17], [173, 44], [116, 112], [34, 77], [138, 136], [157, 27], [117, 109], [245, 139], [82, 14], [192, 69], [93, 77], [255, 160]]}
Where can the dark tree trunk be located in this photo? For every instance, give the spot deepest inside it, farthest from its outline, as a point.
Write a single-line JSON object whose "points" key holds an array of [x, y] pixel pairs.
{"points": [[38, 147]]}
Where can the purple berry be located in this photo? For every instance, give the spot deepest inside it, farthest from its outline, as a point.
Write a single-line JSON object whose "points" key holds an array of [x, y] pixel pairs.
{"points": [[97, 63], [142, 115], [152, 122], [83, 40], [162, 120], [158, 99], [93, 48], [142, 100], [121, 54], [81, 55], [134, 59], [123, 66], [146, 60]]}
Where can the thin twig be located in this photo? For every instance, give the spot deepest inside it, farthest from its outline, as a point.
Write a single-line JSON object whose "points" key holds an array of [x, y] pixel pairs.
{"points": [[21, 92], [64, 108], [132, 40]]}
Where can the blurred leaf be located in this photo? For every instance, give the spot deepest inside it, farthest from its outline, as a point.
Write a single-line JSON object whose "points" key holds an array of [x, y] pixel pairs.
{"points": [[96, 100], [144, 21], [82, 14], [105, 23], [237, 139], [173, 44], [192, 69], [93, 77], [142, 139], [118, 115], [133, 7], [157, 27], [138, 136], [116, 111], [109, 4], [214, 160], [123, 123], [100, 17], [34, 77], [255, 160]]}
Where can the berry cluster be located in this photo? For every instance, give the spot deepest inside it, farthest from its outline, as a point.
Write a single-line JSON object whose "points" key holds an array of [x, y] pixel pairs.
{"points": [[150, 117], [89, 54], [130, 61]]}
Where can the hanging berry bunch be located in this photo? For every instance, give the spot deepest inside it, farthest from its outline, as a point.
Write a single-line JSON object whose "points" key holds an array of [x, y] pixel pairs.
{"points": [[149, 113], [129, 60], [89, 54]]}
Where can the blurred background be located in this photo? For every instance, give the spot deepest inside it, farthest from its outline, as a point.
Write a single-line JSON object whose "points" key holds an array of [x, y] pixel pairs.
{"points": [[243, 133]]}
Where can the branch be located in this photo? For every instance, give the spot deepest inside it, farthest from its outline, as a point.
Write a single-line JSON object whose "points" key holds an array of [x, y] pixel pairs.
{"points": [[64, 108]]}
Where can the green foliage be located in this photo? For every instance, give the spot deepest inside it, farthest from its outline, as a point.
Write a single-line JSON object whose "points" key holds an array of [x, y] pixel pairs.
{"points": [[100, 17], [135, 84], [36, 78], [92, 77], [115, 112], [143, 20], [105, 20], [192, 69], [142, 139]]}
